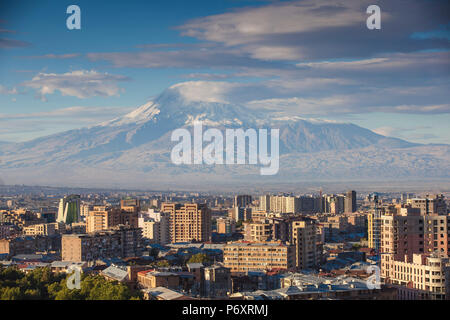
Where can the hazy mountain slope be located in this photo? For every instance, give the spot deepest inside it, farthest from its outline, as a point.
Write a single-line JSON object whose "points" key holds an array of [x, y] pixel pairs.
{"points": [[137, 146]]}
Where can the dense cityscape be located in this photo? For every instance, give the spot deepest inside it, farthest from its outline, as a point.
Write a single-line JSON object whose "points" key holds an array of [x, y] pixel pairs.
{"points": [[220, 159], [197, 246]]}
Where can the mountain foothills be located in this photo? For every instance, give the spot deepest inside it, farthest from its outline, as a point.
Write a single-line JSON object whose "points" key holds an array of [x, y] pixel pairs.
{"points": [[134, 151]]}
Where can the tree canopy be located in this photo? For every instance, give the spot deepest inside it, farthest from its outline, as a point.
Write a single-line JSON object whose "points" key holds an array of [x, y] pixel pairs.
{"points": [[199, 258], [42, 284]]}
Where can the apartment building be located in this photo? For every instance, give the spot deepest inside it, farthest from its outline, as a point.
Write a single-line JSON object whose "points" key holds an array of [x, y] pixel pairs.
{"points": [[242, 201], [216, 280], [154, 279], [155, 226], [226, 226], [42, 229], [246, 256], [84, 209], [130, 205], [299, 231], [422, 277], [264, 202], [29, 244], [430, 205], [258, 215], [350, 201], [408, 232], [8, 230], [257, 231], [105, 217], [344, 224], [188, 222], [20, 218], [118, 242], [304, 237], [240, 213]]}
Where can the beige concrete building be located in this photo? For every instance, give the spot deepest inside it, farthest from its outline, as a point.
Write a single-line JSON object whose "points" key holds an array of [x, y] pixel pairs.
{"points": [[188, 222], [42, 229], [257, 231], [240, 214], [100, 218], [430, 205], [412, 238], [408, 232], [104, 217], [155, 226], [279, 203], [246, 256], [84, 209], [258, 215], [264, 202], [304, 237], [120, 242], [154, 279], [226, 226], [424, 277]]}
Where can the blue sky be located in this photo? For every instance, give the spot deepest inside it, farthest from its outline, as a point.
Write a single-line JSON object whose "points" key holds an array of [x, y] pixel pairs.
{"points": [[311, 58]]}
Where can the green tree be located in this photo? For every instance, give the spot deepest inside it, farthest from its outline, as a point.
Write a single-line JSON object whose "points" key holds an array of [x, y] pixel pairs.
{"points": [[11, 293], [163, 264], [42, 284], [199, 258]]}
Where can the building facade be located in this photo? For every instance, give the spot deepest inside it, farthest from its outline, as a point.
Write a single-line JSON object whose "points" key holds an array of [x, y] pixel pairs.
{"points": [[69, 209], [188, 222], [118, 242], [246, 256]]}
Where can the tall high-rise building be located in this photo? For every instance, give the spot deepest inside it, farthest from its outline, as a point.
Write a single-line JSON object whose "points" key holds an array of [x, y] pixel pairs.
{"points": [[242, 201], [291, 204], [374, 225], [422, 277], [304, 237], [155, 226], [69, 209], [434, 204], [240, 214], [409, 231], [226, 226], [257, 231], [188, 222], [84, 209], [264, 202], [350, 201], [103, 217], [130, 205]]}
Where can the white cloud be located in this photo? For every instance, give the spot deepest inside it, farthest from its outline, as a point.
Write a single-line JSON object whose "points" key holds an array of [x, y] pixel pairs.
{"points": [[57, 56], [313, 96], [432, 109], [25, 126], [296, 105], [208, 91], [386, 131], [93, 113], [387, 62], [247, 26], [5, 90], [80, 84]]}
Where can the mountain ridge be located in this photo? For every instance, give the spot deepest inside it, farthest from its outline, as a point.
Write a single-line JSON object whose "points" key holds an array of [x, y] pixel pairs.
{"points": [[138, 144]]}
